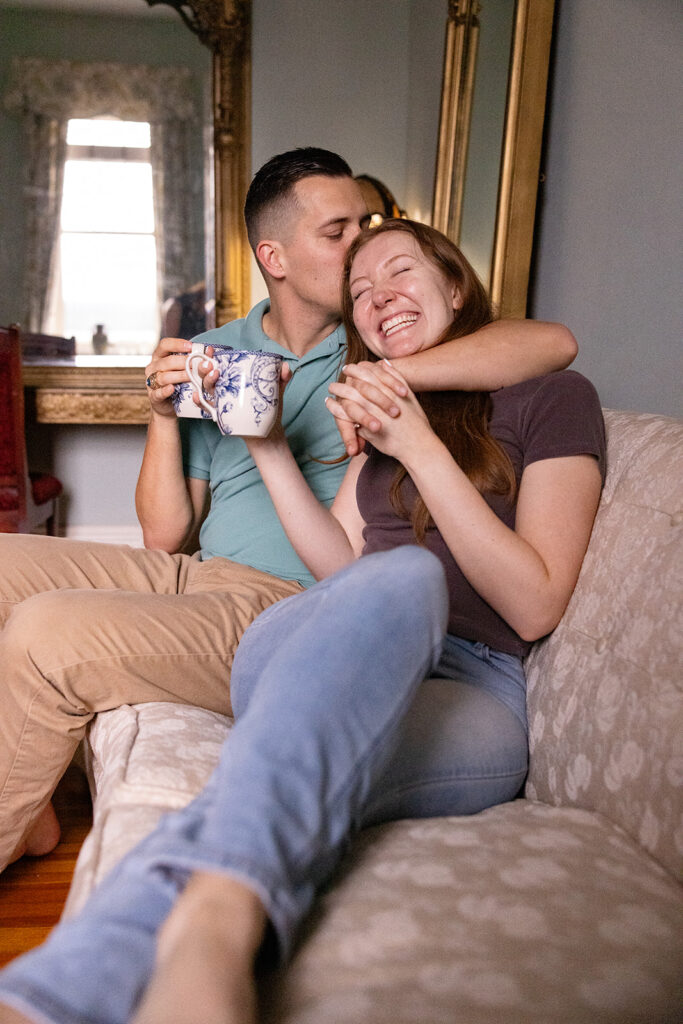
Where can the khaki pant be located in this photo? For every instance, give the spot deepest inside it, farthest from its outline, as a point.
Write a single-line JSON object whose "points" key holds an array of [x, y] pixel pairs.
{"points": [[88, 627]]}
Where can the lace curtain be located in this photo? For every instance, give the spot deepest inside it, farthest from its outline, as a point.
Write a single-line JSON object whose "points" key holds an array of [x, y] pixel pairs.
{"points": [[46, 94]]}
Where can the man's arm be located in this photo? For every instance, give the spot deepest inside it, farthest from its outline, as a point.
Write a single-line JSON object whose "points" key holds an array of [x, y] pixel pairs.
{"points": [[169, 506], [501, 353]]}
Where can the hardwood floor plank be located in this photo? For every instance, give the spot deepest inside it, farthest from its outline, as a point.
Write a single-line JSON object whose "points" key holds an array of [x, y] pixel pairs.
{"points": [[33, 891]]}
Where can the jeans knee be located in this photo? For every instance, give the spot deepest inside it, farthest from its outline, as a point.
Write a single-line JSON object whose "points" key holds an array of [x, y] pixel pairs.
{"points": [[413, 577]]}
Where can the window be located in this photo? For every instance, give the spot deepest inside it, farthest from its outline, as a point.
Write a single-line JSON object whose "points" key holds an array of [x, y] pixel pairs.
{"points": [[107, 248]]}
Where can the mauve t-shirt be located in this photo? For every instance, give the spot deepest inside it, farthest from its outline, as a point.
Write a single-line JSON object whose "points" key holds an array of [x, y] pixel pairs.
{"points": [[549, 417]]}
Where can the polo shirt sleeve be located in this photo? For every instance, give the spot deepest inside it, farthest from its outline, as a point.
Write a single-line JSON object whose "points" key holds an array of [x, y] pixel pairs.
{"points": [[196, 452], [564, 418]]}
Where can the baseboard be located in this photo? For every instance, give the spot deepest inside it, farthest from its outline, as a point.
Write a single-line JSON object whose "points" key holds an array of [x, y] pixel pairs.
{"points": [[131, 535]]}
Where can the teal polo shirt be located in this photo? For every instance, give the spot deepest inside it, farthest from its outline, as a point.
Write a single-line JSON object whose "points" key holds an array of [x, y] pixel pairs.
{"points": [[242, 523]]}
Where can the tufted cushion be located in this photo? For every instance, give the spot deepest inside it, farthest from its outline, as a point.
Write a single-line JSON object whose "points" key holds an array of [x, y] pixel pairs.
{"points": [[604, 691]]}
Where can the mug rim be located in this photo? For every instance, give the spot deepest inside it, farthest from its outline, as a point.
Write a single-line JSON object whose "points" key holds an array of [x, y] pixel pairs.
{"points": [[231, 348]]}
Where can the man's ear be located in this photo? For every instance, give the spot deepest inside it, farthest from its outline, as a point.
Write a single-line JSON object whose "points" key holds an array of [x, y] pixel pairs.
{"points": [[268, 255]]}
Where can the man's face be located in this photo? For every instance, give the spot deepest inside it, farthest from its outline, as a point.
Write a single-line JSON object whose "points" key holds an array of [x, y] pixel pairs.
{"points": [[328, 216]]}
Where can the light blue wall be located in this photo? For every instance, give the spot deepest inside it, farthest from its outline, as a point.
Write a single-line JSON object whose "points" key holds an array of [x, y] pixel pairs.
{"points": [[333, 74], [608, 260]]}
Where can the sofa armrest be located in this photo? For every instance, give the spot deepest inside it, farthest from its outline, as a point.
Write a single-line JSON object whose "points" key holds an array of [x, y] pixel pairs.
{"points": [[604, 690]]}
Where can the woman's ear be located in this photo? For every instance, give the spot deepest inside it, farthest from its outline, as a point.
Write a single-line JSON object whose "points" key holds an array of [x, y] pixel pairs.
{"points": [[457, 297], [268, 255]]}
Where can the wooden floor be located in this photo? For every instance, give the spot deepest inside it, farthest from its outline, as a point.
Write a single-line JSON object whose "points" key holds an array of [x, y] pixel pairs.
{"points": [[34, 889]]}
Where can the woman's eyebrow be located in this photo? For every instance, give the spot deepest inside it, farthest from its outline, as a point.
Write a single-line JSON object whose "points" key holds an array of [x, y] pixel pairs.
{"points": [[385, 263]]}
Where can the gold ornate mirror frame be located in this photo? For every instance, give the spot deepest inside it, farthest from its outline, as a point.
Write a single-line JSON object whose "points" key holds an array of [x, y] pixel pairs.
{"points": [[95, 390], [522, 138]]}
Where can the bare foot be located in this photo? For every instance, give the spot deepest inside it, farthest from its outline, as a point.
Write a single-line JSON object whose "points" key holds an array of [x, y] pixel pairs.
{"points": [[42, 837], [205, 956]]}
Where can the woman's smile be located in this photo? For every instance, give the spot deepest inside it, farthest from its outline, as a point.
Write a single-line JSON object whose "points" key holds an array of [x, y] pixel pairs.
{"points": [[395, 323]]}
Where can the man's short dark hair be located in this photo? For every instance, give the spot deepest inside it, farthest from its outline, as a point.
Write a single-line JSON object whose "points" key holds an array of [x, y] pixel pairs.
{"points": [[276, 179]]}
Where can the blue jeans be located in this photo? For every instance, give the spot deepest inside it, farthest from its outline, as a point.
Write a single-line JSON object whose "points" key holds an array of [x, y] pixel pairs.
{"points": [[338, 726]]}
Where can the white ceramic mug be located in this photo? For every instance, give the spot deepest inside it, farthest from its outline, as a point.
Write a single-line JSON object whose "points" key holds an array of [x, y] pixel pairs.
{"points": [[183, 402], [247, 391]]}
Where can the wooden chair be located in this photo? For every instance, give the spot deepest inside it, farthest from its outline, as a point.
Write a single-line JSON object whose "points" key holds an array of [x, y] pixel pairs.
{"points": [[27, 500]]}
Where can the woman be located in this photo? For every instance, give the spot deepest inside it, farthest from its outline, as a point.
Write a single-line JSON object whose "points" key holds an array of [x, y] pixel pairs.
{"points": [[393, 688]]}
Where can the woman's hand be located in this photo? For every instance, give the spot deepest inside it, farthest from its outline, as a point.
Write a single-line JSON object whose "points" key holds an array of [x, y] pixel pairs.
{"points": [[380, 384], [166, 369], [385, 409]]}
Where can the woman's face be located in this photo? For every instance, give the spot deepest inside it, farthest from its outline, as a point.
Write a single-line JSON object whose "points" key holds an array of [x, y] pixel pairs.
{"points": [[402, 303]]}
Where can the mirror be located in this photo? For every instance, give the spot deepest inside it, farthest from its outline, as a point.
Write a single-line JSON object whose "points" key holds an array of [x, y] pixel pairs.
{"points": [[490, 134], [65, 392]]}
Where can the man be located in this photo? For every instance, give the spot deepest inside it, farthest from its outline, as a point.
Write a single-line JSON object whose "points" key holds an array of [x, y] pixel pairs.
{"points": [[89, 627]]}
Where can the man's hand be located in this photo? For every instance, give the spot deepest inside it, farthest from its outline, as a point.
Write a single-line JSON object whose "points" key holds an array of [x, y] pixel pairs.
{"points": [[166, 369], [380, 384]]}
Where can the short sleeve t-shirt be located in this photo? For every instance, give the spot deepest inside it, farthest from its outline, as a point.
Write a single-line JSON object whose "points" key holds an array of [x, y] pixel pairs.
{"points": [[548, 417], [242, 523]]}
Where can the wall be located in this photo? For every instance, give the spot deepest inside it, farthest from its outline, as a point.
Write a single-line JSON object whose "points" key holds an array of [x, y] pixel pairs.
{"points": [[608, 259]]}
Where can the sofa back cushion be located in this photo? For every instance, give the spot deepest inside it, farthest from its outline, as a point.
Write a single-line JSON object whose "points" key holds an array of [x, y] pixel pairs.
{"points": [[604, 690]]}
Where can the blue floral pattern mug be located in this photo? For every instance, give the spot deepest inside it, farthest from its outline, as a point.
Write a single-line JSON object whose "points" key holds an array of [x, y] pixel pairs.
{"points": [[247, 394]]}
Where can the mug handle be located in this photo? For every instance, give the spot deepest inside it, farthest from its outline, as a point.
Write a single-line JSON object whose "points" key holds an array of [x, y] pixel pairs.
{"points": [[196, 380]]}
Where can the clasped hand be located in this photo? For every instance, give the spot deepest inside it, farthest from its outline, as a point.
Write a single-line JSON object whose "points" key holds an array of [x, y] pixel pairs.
{"points": [[374, 403]]}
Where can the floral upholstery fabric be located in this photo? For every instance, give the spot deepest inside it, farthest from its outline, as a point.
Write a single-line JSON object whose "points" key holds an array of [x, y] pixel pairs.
{"points": [[604, 691], [524, 914], [141, 761], [562, 908]]}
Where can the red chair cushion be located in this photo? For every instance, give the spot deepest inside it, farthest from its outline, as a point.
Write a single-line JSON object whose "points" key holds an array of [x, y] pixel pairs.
{"points": [[44, 487], [9, 499]]}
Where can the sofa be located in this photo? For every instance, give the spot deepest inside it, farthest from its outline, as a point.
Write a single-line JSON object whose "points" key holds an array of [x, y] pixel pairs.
{"points": [[564, 905]]}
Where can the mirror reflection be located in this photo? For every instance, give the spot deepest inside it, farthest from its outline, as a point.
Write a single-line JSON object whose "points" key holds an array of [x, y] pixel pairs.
{"points": [[112, 115], [482, 168]]}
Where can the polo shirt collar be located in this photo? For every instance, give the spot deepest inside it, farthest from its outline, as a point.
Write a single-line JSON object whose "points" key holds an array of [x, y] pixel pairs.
{"points": [[257, 338]]}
